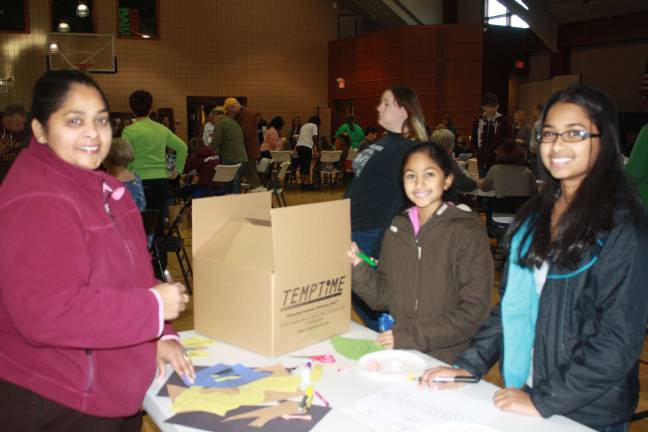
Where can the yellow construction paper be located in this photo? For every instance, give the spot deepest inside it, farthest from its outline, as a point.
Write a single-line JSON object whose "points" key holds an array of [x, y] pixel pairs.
{"points": [[193, 341], [276, 370], [316, 373], [219, 403], [284, 384], [196, 346]]}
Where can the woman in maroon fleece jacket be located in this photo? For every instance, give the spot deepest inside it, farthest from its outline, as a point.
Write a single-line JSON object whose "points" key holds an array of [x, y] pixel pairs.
{"points": [[81, 315]]}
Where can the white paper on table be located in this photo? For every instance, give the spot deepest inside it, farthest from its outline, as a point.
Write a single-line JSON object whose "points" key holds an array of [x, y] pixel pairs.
{"points": [[406, 408]]}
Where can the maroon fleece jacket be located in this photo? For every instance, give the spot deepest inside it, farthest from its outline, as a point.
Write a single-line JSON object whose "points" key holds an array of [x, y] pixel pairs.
{"points": [[78, 321]]}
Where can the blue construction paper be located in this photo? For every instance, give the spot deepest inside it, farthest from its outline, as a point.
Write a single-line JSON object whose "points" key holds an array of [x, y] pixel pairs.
{"points": [[228, 376]]}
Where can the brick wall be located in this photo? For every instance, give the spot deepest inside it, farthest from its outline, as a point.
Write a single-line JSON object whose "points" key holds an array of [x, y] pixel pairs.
{"points": [[274, 52]]}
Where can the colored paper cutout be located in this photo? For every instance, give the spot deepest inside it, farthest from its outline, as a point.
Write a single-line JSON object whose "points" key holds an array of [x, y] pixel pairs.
{"points": [[220, 402], [213, 423], [316, 373], [271, 396], [222, 375], [263, 415], [196, 346], [174, 379], [175, 391], [354, 348]]}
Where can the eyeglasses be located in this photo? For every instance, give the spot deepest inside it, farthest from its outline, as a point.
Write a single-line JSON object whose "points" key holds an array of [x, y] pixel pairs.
{"points": [[571, 135]]}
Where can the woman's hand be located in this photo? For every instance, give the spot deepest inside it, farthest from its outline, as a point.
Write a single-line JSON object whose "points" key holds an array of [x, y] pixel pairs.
{"points": [[355, 259], [386, 339], [428, 378], [170, 351], [515, 401], [174, 298]]}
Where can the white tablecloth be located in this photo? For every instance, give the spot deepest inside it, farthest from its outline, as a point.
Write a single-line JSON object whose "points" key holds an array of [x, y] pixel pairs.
{"points": [[341, 389]]}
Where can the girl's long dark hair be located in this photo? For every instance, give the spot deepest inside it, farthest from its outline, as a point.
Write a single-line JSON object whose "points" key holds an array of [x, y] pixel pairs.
{"points": [[591, 212]]}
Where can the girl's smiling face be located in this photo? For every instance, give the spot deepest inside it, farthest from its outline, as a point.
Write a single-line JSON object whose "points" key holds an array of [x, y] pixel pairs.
{"points": [[424, 183], [569, 162]]}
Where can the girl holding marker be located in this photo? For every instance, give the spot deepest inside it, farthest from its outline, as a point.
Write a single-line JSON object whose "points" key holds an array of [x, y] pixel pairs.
{"points": [[435, 271], [570, 327]]}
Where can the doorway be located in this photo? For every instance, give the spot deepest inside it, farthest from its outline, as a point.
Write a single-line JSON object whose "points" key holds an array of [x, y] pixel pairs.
{"points": [[198, 108]]}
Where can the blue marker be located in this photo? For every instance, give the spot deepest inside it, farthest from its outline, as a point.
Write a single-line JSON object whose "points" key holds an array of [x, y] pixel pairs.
{"points": [[385, 322]]}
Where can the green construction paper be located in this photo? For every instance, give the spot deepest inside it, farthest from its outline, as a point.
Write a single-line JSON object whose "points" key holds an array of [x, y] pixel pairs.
{"points": [[354, 348]]}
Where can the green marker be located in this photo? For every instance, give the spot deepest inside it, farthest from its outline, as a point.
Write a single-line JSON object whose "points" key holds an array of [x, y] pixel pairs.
{"points": [[366, 259]]}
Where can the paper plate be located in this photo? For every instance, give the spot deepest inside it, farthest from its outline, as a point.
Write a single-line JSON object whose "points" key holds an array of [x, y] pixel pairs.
{"points": [[460, 427], [392, 362]]}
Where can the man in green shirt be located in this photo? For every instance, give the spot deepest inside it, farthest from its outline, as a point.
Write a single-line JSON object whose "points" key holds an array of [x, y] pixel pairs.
{"points": [[353, 131], [229, 144]]}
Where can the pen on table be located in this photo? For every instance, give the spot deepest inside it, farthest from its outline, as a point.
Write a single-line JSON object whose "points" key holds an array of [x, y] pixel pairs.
{"points": [[457, 379], [369, 260]]}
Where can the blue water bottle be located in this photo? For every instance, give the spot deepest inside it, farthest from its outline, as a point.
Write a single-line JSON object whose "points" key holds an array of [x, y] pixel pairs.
{"points": [[385, 322]]}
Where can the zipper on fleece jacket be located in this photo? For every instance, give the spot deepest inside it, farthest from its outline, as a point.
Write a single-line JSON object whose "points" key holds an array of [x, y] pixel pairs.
{"points": [[90, 379], [418, 266]]}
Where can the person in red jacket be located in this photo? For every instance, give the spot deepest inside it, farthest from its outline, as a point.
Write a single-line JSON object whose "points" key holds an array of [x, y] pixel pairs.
{"points": [[82, 317], [203, 160]]}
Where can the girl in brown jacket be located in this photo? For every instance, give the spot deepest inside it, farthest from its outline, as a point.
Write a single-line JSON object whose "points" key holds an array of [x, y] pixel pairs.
{"points": [[436, 270]]}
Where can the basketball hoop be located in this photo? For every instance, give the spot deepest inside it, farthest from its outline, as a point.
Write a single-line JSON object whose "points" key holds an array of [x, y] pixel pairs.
{"points": [[84, 67]]}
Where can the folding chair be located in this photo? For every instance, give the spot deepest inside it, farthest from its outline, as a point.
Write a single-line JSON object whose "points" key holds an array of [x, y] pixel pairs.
{"points": [[348, 165], [276, 182], [225, 174], [500, 213], [173, 242], [152, 220], [279, 157], [329, 166]]}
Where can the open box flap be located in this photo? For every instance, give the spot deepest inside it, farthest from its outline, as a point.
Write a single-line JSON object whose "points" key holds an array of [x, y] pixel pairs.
{"points": [[210, 214]]}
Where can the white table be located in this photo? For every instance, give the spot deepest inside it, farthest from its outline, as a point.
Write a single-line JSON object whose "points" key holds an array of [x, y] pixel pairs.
{"points": [[341, 389]]}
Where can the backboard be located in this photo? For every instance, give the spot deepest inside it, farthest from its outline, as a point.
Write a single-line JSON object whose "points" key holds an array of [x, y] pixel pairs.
{"points": [[88, 52]]}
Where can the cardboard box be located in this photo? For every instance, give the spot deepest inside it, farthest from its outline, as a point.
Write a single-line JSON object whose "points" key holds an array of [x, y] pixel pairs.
{"points": [[271, 280]]}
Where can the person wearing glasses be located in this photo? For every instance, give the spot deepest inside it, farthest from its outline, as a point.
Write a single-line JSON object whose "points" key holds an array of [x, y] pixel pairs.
{"points": [[569, 329]]}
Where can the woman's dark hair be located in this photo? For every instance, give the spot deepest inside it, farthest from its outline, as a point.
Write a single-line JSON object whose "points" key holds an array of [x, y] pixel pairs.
{"points": [[510, 153], [315, 120], [140, 102], [406, 98], [276, 123], [52, 88], [591, 211], [438, 154]]}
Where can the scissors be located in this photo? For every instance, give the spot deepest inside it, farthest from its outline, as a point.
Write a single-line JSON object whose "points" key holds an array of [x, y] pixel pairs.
{"points": [[325, 358]]}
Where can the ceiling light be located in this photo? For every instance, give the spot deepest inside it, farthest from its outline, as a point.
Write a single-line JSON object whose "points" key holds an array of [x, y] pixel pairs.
{"points": [[145, 36], [82, 10], [53, 48], [63, 27]]}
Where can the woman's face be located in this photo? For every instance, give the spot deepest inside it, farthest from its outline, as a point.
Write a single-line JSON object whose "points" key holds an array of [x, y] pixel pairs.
{"points": [[79, 131], [390, 115], [569, 161]]}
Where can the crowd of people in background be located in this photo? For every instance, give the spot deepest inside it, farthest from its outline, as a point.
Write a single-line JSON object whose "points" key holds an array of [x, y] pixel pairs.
{"points": [[585, 229]]}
